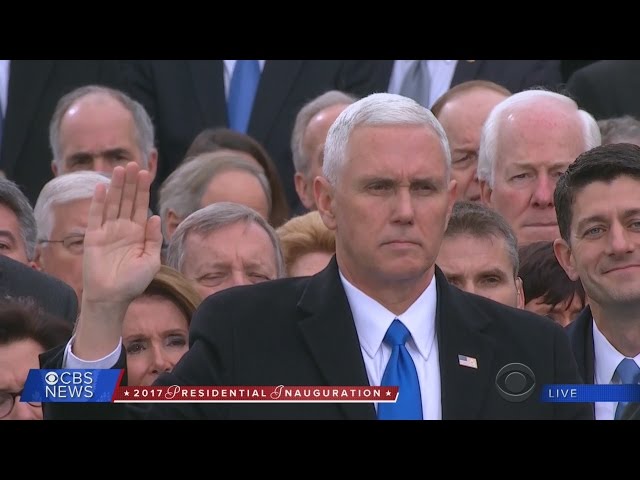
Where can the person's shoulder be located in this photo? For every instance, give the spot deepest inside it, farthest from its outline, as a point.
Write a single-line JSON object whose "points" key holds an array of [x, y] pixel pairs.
{"points": [[283, 290], [506, 316], [16, 274], [606, 69]]}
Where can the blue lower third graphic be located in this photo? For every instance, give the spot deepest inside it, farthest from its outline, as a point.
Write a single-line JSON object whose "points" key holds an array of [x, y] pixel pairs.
{"points": [[590, 393], [71, 385]]}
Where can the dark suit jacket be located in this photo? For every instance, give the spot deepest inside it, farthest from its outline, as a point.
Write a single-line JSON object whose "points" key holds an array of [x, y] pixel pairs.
{"points": [[184, 97], [35, 86], [300, 331], [580, 333], [53, 295], [515, 75], [608, 88]]}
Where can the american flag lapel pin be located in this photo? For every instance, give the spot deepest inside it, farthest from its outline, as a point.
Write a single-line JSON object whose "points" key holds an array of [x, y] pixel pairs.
{"points": [[467, 361]]}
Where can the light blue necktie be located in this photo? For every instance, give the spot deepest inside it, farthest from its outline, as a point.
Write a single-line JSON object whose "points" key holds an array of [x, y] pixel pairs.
{"points": [[242, 91], [417, 83], [629, 373], [400, 372]]}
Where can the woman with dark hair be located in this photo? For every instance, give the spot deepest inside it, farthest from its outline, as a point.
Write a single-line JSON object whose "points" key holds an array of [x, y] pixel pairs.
{"points": [[548, 291], [26, 331], [214, 139]]}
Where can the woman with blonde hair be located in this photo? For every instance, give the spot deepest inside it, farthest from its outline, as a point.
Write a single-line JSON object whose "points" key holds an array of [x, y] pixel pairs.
{"points": [[307, 244]]}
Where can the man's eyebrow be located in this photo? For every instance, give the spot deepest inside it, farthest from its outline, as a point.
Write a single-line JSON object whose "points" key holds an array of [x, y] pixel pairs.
{"points": [[8, 234]]}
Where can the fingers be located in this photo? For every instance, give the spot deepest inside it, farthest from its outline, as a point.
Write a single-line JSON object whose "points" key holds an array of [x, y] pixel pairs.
{"points": [[114, 194], [128, 195], [129, 191], [141, 202], [96, 208], [153, 237]]}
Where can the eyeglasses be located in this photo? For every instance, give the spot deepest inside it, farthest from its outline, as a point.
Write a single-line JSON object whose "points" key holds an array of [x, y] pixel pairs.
{"points": [[8, 400], [73, 243]]}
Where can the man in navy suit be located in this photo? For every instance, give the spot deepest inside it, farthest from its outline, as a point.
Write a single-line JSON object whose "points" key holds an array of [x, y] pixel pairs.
{"points": [[597, 203], [183, 97], [386, 192]]}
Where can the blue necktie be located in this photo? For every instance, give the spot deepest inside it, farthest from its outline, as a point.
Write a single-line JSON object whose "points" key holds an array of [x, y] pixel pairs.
{"points": [[242, 91], [629, 373], [400, 372]]}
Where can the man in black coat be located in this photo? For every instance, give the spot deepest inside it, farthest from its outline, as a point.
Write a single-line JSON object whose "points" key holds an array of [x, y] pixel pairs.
{"points": [[387, 194], [52, 295], [34, 88]]}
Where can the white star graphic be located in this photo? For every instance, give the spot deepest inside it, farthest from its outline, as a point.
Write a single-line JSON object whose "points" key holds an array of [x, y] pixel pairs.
{"points": [[388, 393], [126, 393]]}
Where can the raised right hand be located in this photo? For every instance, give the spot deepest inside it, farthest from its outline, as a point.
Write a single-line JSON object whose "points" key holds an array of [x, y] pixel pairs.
{"points": [[121, 245]]}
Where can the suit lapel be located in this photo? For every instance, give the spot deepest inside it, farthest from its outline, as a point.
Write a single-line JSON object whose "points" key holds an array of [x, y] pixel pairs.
{"points": [[460, 332], [278, 76], [208, 82], [580, 333], [329, 331], [27, 81], [466, 70]]}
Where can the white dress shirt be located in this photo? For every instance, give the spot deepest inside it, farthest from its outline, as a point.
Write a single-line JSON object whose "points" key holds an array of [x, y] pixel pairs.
{"points": [[372, 321], [606, 360], [4, 85], [440, 71], [229, 65]]}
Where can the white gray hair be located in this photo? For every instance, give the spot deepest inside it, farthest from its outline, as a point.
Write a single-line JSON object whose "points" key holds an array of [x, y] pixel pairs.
{"points": [[376, 109], [183, 190], [144, 131], [64, 189], [488, 150], [301, 160], [12, 197], [214, 217]]}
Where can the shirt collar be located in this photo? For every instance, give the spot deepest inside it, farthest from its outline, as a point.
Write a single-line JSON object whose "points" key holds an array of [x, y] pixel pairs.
{"points": [[372, 320], [606, 357]]}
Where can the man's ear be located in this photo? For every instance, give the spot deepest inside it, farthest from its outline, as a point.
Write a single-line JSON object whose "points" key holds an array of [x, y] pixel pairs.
{"points": [[153, 164], [54, 168], [171, 223], [520, 293], [565, 258], [324, 195], [304, 191], [485, 192]]}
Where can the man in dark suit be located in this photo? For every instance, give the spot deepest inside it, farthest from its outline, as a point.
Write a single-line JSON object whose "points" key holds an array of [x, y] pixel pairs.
{"points": [[607, 88], [387, 194], [514, 75], [597, 202], [54, 296], [183, 97], [34, 88]]}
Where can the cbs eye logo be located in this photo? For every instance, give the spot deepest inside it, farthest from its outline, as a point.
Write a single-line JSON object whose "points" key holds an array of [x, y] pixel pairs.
{"points": [[51, 378], [515, 382]]}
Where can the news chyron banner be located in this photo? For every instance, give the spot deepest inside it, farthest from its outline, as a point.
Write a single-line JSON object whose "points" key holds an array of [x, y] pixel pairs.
{"points": [[71, 385], [76, 385]]}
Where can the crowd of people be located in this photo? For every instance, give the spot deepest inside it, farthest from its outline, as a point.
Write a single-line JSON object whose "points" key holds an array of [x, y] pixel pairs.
{"points": [[366, 219]]}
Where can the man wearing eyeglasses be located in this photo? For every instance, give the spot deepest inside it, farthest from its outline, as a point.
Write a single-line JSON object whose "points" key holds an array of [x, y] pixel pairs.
{"points": [[61, 215]]}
